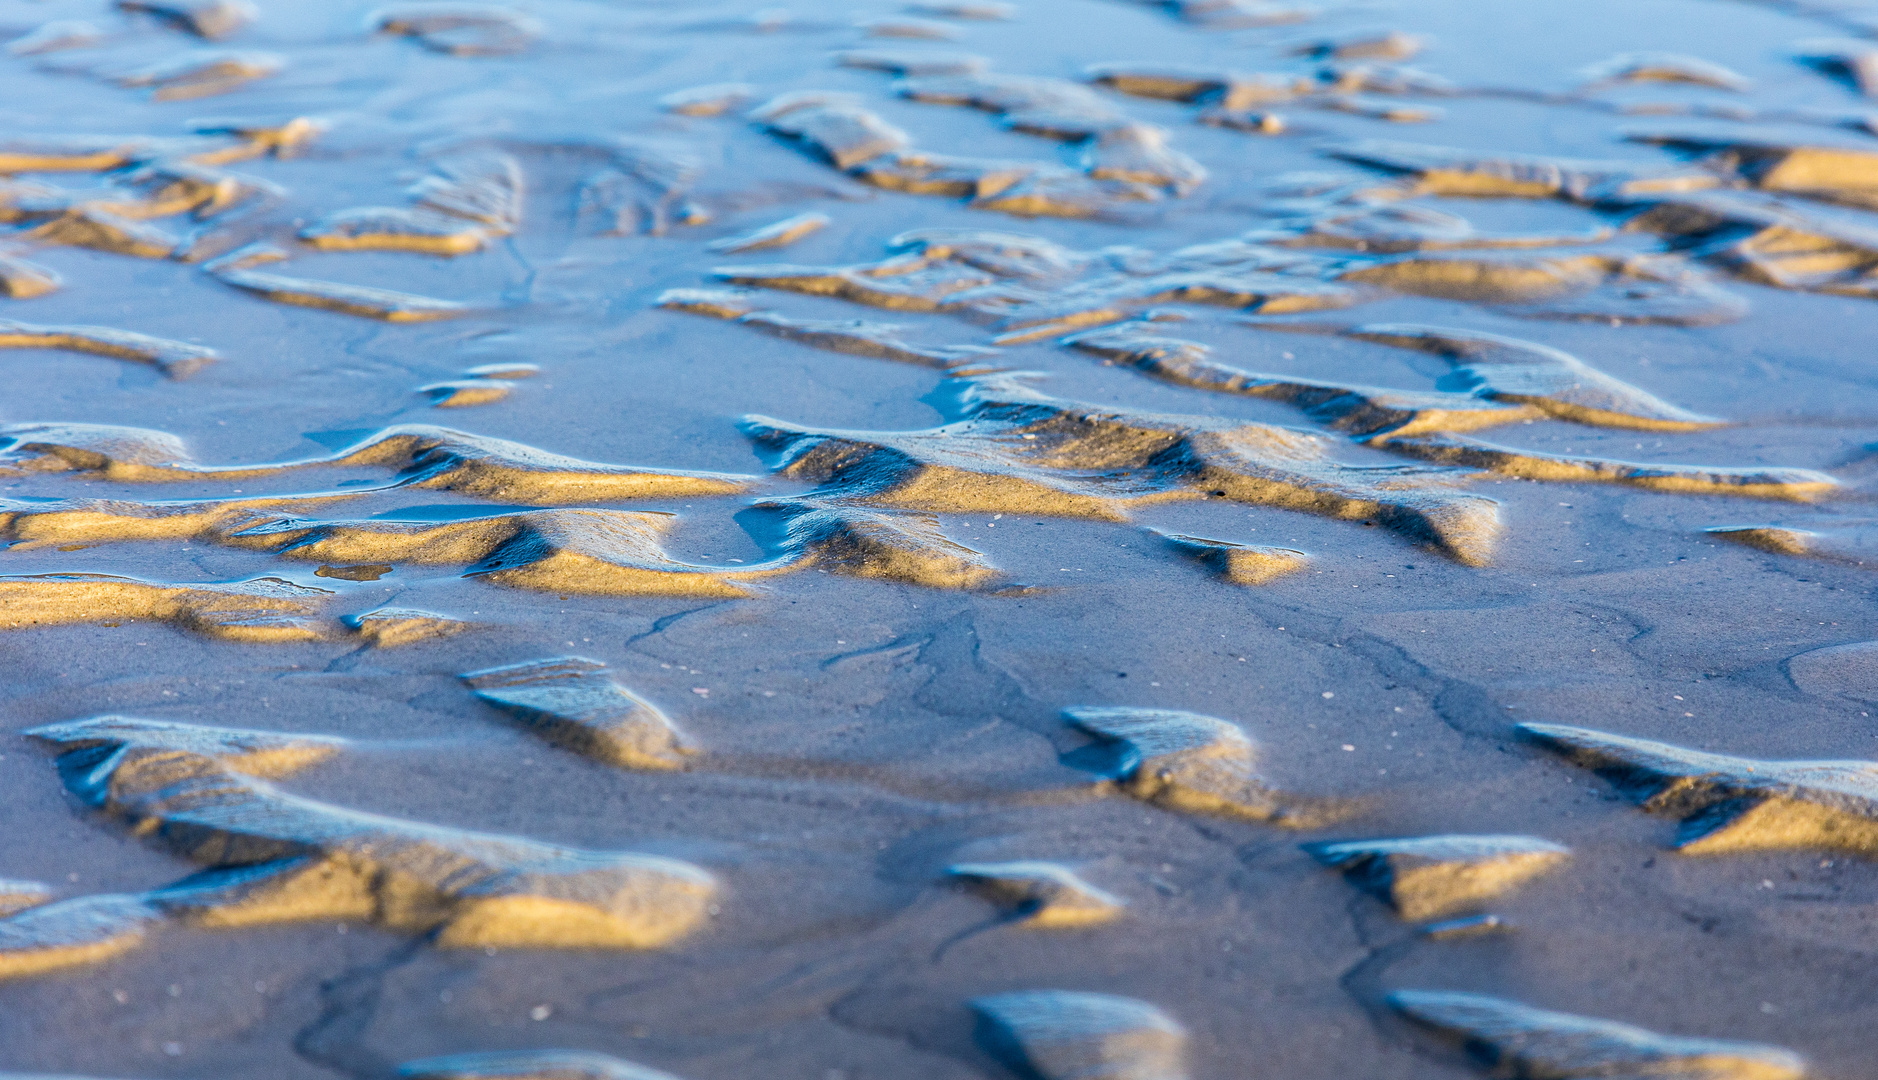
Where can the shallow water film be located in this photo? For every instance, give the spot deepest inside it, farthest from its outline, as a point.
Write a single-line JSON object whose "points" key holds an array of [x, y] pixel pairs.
{"points": [[1064, 539]]}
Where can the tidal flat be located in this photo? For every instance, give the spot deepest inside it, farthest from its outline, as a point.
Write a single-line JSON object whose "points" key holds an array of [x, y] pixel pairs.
{"points": [[959, 540]]}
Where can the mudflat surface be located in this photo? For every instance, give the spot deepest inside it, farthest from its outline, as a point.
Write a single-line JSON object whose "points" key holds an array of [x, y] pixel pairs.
{"points": [[1120, 478]]}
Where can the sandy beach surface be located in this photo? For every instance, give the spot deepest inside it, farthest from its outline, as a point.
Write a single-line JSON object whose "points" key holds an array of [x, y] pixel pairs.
{"points": [[1072, 539]]}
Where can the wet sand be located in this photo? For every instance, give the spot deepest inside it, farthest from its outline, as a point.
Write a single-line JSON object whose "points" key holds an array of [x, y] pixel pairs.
{"points": [[1073, 539]]}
